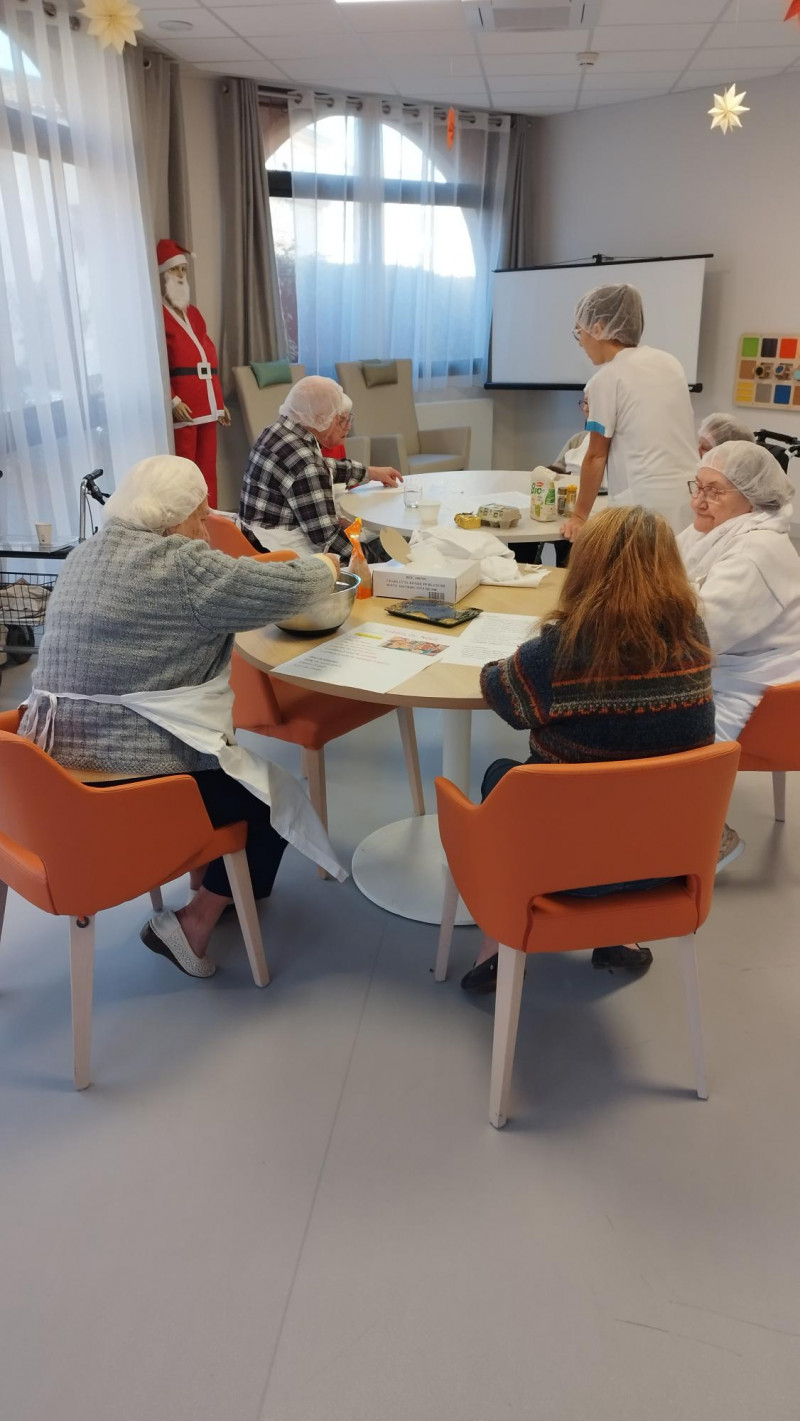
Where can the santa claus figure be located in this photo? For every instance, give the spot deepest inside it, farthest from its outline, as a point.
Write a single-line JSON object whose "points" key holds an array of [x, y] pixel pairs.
{"points": [[197, 403]]}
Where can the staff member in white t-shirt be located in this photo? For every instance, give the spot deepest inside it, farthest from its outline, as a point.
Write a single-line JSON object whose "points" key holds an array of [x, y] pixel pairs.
{"points": [[641, 424]]}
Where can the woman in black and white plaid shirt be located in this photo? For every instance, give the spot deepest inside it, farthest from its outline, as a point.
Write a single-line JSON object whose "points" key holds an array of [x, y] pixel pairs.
{"points": [[287, 495]]}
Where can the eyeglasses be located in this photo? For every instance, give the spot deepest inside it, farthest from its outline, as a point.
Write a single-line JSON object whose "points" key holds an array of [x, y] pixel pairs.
{"points": [[583, 404], [710, 492], [577, 333]]}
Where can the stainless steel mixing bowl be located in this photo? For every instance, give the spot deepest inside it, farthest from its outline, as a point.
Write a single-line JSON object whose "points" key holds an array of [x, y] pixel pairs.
{"points": [[328, 613]]}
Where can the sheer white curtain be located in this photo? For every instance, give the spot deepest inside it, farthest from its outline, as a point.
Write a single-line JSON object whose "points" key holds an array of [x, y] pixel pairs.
{"points": [[80, 373], [392, 236]]}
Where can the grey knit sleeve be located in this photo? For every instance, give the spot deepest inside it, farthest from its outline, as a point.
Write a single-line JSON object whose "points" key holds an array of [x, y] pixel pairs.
{"points": [[228, 594]]}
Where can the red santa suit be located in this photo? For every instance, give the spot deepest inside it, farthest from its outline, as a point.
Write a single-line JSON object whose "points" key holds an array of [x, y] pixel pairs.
{"points": [[193, 378]]}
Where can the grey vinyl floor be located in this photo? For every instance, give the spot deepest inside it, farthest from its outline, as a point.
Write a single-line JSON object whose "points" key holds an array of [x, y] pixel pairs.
{"points": [[289, 1205]]}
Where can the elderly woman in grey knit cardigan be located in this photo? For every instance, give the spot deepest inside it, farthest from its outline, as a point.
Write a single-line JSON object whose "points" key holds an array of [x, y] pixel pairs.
{"points": [[146, 606]]}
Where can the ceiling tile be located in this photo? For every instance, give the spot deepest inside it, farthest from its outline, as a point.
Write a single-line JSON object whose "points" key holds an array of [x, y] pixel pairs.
{"points": [[263, 5], [203, 23], [337, 74], [412, 16], [538, 83], [436, 65], [259, 69], [225, 47], [525, 64], [772, 59], [720, 78], [408, 41], [754, 10], [652, 12], [559, 42], [648, 36], [745, 36], [619, 96], [284, 19], [649, 60], [322, 47], [657, 82], [526, 99]]}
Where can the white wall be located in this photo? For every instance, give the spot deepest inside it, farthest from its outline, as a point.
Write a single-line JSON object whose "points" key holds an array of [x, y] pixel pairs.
{"points": [[651, 179]]}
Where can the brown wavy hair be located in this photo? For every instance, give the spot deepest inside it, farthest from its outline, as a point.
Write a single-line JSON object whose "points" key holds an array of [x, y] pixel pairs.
{"points": [[627, 607]]}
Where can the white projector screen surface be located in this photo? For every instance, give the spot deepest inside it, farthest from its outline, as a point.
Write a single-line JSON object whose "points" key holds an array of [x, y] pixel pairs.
{"points": [[534, 315]]}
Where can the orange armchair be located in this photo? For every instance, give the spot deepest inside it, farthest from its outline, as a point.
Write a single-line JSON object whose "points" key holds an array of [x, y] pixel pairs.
{"points": [[308, 719], [73, 850], [601, 823], [771, 739]]}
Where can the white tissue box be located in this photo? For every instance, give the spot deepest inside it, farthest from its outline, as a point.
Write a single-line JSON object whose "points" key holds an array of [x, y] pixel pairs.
{"points": [[395, 579]]}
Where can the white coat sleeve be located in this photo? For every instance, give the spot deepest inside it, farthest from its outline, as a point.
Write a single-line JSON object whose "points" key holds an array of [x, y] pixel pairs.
{"points": [[736, 604]]}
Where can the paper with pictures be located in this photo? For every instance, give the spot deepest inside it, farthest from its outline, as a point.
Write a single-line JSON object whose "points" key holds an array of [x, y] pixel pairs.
{"points": [[372, 658], [491, 637]]}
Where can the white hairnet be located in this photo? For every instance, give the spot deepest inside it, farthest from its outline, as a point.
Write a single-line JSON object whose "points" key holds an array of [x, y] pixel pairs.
{"points": [[315, 402], [617, 310], [754, 471], [722, 428], [158, 493]]}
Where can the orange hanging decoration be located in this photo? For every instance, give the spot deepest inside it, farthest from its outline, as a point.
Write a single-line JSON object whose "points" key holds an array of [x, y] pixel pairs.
{"points": [[793, 12], [451, 119]]}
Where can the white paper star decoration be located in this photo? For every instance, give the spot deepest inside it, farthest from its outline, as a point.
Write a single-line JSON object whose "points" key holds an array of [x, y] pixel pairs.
{"points": [[727, 108], [114, 22]]}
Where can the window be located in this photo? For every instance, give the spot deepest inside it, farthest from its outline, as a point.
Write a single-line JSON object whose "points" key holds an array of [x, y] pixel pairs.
{"points": [[384, 239]]}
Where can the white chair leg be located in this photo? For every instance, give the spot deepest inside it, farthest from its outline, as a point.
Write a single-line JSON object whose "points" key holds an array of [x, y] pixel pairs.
{"points": [[317, 789], [510, 976], [81, 973], [157, 899], [304, 764], [242, 890], [779, 793], [691, 988], [449, 909], [408, 737], [3, 897]]}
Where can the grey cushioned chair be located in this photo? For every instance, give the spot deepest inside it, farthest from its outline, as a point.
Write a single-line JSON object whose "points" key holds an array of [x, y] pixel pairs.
{"points": [[260, 408], [386, 413]]}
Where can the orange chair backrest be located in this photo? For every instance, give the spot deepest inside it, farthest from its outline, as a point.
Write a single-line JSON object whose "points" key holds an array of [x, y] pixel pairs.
{"points": [[255, 705], [89, 848], [771, 738], [549, 828], [226, 537]]}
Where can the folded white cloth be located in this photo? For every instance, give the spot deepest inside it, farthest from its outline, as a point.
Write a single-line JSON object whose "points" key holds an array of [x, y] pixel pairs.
{"points": [[443, 548]]}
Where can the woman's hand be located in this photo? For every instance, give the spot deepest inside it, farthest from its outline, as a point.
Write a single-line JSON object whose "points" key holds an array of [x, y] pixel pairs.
{"points": [[181, 412], [224, 417], [387, 476], [335, 563], [571, 527]]}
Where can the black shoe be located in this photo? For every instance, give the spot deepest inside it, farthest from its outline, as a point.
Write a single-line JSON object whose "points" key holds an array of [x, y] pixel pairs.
{"points": [[630, 959], [481, 978]]}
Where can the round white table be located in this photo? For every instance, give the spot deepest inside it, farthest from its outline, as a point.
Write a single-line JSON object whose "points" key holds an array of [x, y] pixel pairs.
{"points": [[459, 492], [401, 866]]}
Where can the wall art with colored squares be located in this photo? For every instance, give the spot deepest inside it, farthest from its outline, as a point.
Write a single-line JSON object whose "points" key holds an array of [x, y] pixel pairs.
{"points": [[768, 372]]}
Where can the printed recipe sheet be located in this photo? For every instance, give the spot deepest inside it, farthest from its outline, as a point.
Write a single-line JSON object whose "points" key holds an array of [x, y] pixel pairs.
{"points": [[372, 658]]}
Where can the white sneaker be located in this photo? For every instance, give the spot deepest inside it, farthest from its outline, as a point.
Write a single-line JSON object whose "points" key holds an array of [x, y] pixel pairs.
{"points": [[163, 934], [731, 848]]}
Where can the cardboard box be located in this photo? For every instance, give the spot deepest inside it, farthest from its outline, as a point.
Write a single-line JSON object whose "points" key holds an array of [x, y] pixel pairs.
{"points": [[402, 580]]}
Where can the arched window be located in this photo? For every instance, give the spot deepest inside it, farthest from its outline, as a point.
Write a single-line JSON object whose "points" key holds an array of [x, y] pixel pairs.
{"points": [[384, 239]]}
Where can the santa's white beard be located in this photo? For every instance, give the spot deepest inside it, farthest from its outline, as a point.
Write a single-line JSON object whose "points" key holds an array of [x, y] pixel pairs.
{"points": [[177, 292]]}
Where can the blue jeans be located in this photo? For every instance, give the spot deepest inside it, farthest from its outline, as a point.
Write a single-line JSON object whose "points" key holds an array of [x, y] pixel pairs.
{"points": [[492, 778]]}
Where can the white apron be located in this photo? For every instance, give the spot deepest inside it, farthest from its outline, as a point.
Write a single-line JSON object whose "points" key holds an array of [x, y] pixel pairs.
{"points": [[202, 717]]}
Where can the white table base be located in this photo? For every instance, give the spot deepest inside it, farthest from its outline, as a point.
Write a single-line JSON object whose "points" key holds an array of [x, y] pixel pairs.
{"points": [[401, 867]]}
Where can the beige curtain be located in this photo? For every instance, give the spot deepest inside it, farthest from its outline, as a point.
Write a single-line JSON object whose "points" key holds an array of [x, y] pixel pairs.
{"points": [[252, 326], [157, 115]]}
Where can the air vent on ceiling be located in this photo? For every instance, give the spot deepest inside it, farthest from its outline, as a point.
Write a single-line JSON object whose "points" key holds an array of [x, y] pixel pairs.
{"points": [[509, 16]]}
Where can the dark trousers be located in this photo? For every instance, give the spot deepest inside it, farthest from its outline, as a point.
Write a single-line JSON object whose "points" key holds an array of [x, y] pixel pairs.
{"points": [[532, 552], [492, 778], [228, 802]]}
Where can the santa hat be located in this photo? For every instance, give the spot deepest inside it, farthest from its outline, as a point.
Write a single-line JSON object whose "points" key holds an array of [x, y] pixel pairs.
{"points": [[169, 254]]}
